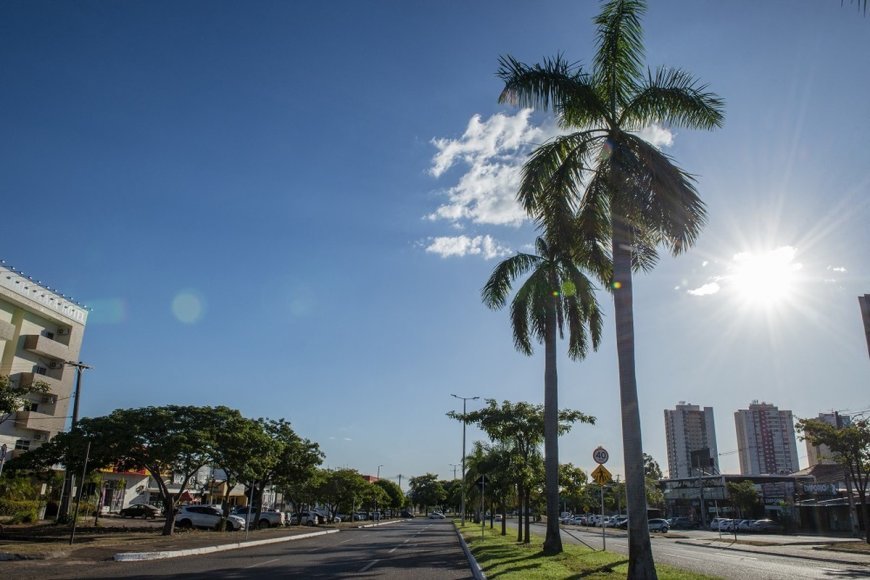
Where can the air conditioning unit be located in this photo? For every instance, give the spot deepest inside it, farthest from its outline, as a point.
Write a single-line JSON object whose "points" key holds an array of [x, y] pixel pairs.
{"points": [[55, 365], [62, 331]]}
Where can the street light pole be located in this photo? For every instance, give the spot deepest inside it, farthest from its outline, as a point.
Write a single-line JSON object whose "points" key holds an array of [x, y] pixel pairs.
{"points": [[464, 401], [454, 466], [377, 510]]}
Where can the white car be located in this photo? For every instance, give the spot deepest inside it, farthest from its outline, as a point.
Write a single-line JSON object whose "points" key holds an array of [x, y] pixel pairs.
{"points": [[436, 516], [206, 516]]}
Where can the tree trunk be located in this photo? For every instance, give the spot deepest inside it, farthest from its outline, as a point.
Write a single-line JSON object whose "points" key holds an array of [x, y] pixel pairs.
{"points": [[553, 540], [640, 557], [527, 502], [503, 519], [520, 514]]}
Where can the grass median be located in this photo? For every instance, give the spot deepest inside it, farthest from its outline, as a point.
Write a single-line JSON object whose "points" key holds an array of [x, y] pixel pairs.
{"points": [[502, 557]]}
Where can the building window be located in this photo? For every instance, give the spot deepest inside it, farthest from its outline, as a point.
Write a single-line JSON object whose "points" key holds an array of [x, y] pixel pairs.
{"points": [[39, 370], [22, 444], [48, 334]]}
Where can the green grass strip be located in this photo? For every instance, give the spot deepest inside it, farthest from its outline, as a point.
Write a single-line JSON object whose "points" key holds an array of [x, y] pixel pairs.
{"points": [[501, 557]]}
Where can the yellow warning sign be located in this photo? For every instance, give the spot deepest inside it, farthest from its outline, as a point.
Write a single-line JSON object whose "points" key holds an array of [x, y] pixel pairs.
{"points": [[601, 475]]}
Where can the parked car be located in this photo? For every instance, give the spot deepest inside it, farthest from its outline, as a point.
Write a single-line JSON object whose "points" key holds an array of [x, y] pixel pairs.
{"points": [[309, 518], [765, 526], [268, 518], [658, 525], [623, 524], [206, 516], [744, 525], [436, 516], [407, 514], [718, 524], [682, 523], [141, 510], [617, 521]]}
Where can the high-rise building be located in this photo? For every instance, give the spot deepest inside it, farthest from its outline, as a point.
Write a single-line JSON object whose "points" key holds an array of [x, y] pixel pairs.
{"points": [[40, 331], [765, 440], [691, 435], [822, 453]]}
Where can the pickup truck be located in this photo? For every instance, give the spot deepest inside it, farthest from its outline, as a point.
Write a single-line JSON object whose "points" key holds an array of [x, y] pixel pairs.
{"points": [[268, 518]]}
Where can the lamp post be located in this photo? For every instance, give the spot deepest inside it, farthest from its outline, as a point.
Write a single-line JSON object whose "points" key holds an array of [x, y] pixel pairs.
{"points": [[377, 509], [454, 466], [464, 401]]}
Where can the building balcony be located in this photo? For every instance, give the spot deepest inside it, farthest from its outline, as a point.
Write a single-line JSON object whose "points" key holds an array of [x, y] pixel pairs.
{"points": [[47, 347], [27, 380], [42, 423]]}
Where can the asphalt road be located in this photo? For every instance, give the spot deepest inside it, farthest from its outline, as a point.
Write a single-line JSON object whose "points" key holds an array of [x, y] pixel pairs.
{"points": [[715, 562], [420, 548]]}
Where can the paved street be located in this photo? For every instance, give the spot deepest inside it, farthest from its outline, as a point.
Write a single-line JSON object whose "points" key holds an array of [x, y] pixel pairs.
{"points": [[424, 549], [688, 553]]}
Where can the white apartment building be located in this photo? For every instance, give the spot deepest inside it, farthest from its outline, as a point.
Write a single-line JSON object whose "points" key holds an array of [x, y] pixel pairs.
{"points": [[765, 440], [822, 453], [691, 440], [40, 330]]}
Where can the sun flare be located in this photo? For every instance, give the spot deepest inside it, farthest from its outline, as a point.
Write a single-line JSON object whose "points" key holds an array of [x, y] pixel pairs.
{"points": [[764, 278]]}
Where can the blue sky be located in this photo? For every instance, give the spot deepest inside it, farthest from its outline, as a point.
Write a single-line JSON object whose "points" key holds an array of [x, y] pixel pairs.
{"points": [[290, 208]]}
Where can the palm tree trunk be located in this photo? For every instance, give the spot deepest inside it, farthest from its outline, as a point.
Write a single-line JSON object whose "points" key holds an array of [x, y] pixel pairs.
{"points": [[553, 541], [640, 557]]}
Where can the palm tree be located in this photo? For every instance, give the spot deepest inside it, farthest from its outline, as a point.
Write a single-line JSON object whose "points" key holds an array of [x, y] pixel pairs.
{"points": [[556, 295], [622, 186]]}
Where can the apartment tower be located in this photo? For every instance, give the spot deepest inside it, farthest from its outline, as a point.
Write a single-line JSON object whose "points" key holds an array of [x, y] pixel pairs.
{"points": [[822, 453], [691, 438], [765, 440], [40, 331]]}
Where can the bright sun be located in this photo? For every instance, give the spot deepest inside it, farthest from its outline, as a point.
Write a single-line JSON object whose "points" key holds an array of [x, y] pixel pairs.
{"points": [[764, 278]]}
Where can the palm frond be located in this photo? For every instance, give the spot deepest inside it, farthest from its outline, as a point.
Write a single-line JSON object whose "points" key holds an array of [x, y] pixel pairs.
{"points": [[619, 55], [673, 97], [672, 206], [553, 179], [542, 86], [496, 290]]}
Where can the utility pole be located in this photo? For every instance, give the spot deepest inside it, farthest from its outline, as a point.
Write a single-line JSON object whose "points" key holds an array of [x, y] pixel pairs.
{"points": [[454, 466], [63, 509], [464, 401]]}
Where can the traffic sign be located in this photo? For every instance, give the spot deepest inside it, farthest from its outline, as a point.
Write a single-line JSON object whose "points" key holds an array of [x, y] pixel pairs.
{"points": [[601, 475], [600, 455], [482, 481]]}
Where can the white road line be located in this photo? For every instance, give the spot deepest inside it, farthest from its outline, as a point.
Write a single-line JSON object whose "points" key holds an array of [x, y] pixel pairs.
{"points": [[393, 550], [369, 565], [346, 541], [261, 563]]}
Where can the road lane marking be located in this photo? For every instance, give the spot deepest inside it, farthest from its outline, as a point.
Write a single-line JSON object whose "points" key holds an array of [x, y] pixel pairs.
{"points": [[346, 541], [261, 563], [369, 565]]}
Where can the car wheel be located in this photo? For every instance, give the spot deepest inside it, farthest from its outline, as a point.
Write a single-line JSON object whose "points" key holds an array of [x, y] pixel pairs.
{"points": [[309, 523], [264, 524], [185, 524]]}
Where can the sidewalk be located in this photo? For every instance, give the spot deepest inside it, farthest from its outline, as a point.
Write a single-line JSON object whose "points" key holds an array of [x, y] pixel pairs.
{"points": [[806, 547]]}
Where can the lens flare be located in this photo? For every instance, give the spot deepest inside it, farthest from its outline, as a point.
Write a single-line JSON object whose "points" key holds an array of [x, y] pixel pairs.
{"points": [[188, 307]]}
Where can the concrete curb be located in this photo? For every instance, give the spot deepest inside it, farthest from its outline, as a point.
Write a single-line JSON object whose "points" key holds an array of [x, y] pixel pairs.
{"points": [[476, 570], [380, 524], [140, 556], [772, 553]]}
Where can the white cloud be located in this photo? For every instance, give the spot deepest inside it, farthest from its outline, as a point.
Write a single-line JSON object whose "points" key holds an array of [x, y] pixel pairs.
{"points": [[459, 246], [657, 136], [840, 269], [706, 289], [494, 151]]}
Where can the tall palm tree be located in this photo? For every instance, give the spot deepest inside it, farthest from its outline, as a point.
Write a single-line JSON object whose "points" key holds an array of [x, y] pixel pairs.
{"points": [[623, 186], [557, 296]]}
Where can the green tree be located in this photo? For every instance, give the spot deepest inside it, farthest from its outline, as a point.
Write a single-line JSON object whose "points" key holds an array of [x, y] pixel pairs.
{"points": [[496, 462], [850, 446], [572, 482], [655, 497], [426, 491], [15, 396], [557, 296], [744, 496], [521, 425], [622, 185], [395, 498], [342, 489], [237, 439]]}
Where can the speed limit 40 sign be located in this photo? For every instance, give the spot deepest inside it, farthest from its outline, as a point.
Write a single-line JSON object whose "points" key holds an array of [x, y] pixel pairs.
{"points": [[600, 455]]}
